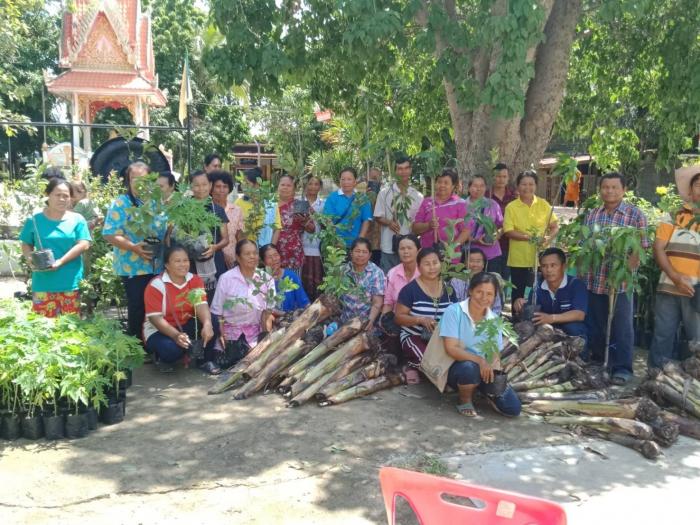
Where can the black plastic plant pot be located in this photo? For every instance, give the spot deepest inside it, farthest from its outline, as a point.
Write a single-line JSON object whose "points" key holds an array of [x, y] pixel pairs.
{"points": [[529, 311], [92, 418], [129, 377], [77, 425], [153, 245], [496, 387], [32, 427], [197, 349], [10, 427], [54, 426], [300, 207], [112, 413], [43, 259]]}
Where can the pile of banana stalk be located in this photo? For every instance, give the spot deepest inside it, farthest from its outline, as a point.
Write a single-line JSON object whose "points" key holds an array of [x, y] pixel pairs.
{"points": [[296, 361], [546, 365]]}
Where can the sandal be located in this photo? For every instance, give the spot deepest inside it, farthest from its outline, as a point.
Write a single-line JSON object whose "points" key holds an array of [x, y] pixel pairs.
{"points": [[412, 375], [210, 368], [467, 409]]}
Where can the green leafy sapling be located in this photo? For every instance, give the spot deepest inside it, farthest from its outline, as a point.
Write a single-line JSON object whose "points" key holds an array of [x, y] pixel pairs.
{"points": [[191, 219], [262, 196], [145, 220], [491, 329]]}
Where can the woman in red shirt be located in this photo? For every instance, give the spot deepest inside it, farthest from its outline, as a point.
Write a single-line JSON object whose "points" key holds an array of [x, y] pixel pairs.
{"points": [[169, 329]]}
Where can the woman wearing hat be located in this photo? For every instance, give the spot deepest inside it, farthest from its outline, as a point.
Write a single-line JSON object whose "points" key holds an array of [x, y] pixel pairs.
{"points": [[677, 252]]}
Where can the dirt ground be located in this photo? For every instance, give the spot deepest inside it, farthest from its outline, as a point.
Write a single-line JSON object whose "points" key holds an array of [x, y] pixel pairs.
{"points": [[183, 457]]}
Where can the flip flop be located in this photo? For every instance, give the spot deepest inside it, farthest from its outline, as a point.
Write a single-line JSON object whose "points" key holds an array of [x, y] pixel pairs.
{"points": [[412, 375], [467, 410]]}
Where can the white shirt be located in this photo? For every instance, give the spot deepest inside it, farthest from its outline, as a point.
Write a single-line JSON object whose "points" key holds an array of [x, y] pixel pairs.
{"points": [[384, 209], [311, 242]]}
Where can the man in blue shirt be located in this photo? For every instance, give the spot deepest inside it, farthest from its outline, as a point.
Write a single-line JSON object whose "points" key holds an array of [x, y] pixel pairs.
{"points": [[563, 299], [351, 211]]}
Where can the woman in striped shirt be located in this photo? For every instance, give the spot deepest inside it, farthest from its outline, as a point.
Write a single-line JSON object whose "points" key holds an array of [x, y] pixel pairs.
{"points": [[421, 304]]}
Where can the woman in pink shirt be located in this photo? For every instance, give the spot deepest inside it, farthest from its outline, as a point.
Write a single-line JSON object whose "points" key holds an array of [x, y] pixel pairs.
{"points": [[436, 214], [244, 297], [403, 273]]}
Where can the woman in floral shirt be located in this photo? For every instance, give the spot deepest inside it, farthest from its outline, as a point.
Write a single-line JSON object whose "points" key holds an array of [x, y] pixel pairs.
{"points": [[290, 244], [366, 302]]}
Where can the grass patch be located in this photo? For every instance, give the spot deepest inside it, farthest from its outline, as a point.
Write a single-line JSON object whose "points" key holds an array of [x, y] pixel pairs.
{"points": [[426, 463]]}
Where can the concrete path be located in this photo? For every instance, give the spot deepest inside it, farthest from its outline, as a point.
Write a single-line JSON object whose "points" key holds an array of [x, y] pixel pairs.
{"points": [[184, 457]]}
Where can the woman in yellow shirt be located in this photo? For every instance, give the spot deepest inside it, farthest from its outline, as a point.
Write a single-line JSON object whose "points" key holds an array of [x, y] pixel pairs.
{"points": [[526, 217]]}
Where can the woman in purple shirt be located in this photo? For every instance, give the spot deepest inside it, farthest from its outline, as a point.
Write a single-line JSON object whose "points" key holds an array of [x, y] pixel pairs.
{"points": [[435, 214], [478, 238]]}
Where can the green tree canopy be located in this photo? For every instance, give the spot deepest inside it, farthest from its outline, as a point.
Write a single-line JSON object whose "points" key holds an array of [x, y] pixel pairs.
{"points": [[499, 67]]}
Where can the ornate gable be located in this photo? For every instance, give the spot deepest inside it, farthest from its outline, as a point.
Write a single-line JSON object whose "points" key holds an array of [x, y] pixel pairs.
{"points": [[102, 49]]}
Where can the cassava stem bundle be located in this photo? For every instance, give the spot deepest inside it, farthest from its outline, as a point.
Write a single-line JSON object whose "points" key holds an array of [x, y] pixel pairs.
{"points": [[366, 387]]}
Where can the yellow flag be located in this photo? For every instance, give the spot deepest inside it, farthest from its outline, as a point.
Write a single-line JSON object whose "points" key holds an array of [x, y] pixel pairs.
{"points": [[185, 92]]}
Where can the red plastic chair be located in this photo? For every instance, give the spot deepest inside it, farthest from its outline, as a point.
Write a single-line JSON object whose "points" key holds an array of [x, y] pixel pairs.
{"points": [[425, 494]]}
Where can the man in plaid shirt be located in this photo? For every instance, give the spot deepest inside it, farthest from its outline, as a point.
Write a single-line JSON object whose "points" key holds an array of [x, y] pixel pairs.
{"points": [[614, 212]]}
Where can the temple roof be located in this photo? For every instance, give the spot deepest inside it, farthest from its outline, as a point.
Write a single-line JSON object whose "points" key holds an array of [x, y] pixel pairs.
{"points": [[105, 83], [111, 40]]}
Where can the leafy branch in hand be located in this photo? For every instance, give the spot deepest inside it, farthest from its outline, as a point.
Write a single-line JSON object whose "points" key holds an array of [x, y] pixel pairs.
{"points": [[261, 196]]}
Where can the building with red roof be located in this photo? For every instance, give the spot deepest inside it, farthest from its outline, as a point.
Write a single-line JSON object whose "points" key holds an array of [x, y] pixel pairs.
{"points": [[106, 48]]}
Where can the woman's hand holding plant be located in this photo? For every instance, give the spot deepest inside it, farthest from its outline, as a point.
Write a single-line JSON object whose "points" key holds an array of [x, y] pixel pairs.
{"points": [[209, 252], [486, 371], [140, 250], [182, 340]]}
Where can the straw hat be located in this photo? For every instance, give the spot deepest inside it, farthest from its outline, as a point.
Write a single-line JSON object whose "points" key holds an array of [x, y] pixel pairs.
{"points": [[683, 176]]}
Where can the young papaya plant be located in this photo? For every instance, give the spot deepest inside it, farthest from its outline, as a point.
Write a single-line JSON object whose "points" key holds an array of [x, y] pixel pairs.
{"points": [[491, 329]]}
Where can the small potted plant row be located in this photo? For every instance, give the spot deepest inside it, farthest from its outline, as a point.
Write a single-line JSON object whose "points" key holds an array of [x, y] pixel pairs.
{"points": [[58, 377]]}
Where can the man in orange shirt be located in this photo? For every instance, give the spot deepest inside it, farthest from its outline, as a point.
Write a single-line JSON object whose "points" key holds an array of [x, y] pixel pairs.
{"points": [[677, 252], [573, 191]]}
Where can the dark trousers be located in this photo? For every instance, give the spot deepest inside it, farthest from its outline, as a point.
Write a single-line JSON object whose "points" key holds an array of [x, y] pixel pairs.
{"points": [[621, 336], [521, 278], [496, 265], [135, 309], [168, 350], [468, 373]]}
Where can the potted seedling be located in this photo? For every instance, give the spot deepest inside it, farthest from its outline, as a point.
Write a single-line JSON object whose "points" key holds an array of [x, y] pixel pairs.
{"points": [[43, 258], [72, 387], [491, 329], [146, 220], [194, 298], [484, 224], [53, 419], [192, 223]]}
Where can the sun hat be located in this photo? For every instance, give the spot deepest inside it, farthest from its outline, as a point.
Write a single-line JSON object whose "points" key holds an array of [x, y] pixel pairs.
{"points": [[683, 177]]}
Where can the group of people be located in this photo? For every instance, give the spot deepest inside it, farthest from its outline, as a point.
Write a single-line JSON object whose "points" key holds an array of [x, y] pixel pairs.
{"points": [[396, 239]]}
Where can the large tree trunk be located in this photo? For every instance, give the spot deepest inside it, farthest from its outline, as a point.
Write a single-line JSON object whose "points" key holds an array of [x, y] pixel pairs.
{"points": [[521, 140]]}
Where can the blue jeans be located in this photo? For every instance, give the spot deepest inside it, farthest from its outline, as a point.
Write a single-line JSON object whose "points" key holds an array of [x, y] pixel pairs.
{"points": [[670, 310], [575, 328], [168, 350], [467, 373], [622, 332]]}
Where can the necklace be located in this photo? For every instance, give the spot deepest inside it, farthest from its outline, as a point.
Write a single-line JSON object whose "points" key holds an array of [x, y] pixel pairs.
{"points": [[434, 297]]}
